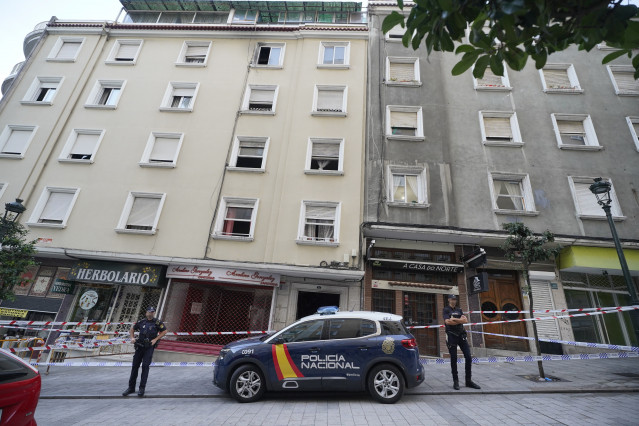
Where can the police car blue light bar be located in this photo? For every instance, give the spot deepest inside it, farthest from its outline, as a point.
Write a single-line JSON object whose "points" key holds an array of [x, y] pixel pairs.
{"points": [[327, 310]]}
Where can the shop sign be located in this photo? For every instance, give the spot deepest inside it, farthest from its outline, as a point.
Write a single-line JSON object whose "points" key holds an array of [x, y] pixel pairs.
{"points": [[478, 283], [116, 273], [417, 266], [8, 312], [63, 286], [223, 275]]}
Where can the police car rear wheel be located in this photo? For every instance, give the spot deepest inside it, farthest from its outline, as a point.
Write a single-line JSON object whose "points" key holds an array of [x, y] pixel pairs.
{"points": [[386, 383], [247, 384]]}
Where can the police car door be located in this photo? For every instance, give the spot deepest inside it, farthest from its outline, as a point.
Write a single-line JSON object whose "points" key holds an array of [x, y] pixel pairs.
{"points": [[293, 353], [346, 352]]}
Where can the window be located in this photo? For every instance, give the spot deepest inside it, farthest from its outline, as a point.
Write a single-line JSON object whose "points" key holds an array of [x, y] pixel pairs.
{"points": [[402, 71], [141, 213], [325, 156], [42, 91], [194, 53], [491, 81], [633, 123], [304, 332], [499, 128], [66, 49], [319, 223], [180, 97], [407, 186], [260, 100], [559, 78], [15, 140], [105, 94], [269, 55], [330, 100], [334, 55], [237, 219], [512, 194], [575, 131], [349, 328], [586, 202], [395, 34], [244, 16], [249, 153], [82, 145], [124, 52], [54, 207], [623, 80], [404, 123], [162, 150]]}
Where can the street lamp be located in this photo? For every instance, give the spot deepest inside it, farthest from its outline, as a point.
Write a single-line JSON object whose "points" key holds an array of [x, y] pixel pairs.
{"points": [[11, 213], [601, 189]]}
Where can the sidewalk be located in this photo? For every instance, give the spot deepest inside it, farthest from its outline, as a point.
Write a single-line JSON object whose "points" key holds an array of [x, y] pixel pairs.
{"points": [[578, 376]]}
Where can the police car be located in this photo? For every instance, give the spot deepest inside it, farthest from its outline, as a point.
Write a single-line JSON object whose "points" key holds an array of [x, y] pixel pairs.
{"points": [[328, 351]]}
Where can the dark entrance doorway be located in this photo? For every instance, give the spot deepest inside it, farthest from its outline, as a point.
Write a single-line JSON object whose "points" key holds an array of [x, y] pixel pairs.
{"points": [[309, 301]]}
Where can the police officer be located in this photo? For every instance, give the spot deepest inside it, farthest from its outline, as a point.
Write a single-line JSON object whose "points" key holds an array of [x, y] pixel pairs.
{"points": [[455, 319], [151, 331]]}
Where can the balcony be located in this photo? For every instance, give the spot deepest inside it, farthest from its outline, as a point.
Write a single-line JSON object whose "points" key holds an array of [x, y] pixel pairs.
{"points": [[12, 76], [32, 38]]}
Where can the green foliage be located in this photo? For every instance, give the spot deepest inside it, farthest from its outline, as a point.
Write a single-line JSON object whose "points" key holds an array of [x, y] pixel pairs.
{"points": [[522, 246], [16, 256], [511, 31]]}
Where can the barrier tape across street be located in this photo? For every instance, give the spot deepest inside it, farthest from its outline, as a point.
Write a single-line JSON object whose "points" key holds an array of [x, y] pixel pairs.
{"points": [[567, 342], [73, 346]]}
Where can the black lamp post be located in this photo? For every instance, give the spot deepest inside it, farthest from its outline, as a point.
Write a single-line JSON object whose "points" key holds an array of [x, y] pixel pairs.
{"points": [[601, 189], [11, 213]]}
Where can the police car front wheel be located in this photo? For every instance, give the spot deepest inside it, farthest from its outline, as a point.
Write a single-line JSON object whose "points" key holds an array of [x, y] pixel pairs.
{"points": [[247, 384], [386, 383]]}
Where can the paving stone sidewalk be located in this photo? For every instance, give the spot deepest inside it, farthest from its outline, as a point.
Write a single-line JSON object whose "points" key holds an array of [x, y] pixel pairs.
{"points": [[577, 376]]}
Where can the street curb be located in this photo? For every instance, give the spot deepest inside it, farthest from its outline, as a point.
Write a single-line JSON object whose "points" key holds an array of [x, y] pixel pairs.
{"points": [[443, 393]]}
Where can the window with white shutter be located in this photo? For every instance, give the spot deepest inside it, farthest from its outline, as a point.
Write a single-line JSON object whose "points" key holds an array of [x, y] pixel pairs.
{"points": [[194, 53], [330, 100], [633, 123], [500, 128], [249, 153], [141, 213], [260, 99], [492, 81], [586, 202], [325, 156], [180, 97], [402, 71], [15, 140], [542, 299], [162, 150], [124, 52], [54, 207], [403, 122], [81, 145], [65, 49], [575, 131], [42, 91], [623, 80], [560, 78], [105, 94], [319, 222]]}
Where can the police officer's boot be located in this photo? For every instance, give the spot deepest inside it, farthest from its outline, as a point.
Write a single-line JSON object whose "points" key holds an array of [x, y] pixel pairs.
{"points": [[128, 392], [471, 384], [141, 392], [456, 384]]}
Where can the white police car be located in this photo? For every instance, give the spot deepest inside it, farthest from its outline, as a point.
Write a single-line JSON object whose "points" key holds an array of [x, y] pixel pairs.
{"points": [[330, 351]]}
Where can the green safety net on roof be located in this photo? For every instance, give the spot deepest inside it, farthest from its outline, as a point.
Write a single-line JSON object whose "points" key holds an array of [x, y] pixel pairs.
{"points": [[263, 6]]}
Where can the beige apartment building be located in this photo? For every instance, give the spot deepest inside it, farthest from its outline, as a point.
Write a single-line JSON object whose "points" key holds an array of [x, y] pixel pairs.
{"points": [[207, 160]]}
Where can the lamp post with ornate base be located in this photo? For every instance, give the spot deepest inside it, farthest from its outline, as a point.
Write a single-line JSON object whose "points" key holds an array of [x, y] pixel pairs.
{"points": [[601, 189]]}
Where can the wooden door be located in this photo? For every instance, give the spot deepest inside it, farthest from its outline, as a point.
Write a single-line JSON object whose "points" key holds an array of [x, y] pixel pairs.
{"points": [[503, 295]]}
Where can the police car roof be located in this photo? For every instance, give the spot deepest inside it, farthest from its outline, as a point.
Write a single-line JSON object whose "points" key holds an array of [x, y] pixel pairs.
{"points": [[374, 316]]}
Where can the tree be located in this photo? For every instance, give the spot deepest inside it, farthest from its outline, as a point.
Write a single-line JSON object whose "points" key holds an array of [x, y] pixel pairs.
{"points": [[510, 31], [525, 248], [16, 256]]}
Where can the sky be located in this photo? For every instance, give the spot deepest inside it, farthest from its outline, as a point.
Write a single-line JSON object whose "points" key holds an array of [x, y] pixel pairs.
{"points": [[19, 17]]}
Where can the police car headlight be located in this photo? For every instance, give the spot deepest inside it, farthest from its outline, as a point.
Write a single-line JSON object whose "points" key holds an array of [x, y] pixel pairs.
{"points": [[223, 353]]}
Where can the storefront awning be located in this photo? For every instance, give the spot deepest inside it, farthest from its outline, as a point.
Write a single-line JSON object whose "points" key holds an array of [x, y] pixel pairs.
{"points": [[594, 260]]}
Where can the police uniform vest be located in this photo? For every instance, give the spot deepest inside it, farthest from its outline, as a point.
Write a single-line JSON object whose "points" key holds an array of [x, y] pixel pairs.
{"points": [[456, 312]]}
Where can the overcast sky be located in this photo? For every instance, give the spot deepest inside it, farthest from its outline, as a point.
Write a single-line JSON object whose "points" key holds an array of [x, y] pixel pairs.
{"points": [[19, 17]]}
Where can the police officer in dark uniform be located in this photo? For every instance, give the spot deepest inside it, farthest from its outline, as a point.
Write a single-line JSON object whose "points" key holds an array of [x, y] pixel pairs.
{"points": [[455, 319], [151, 331]]}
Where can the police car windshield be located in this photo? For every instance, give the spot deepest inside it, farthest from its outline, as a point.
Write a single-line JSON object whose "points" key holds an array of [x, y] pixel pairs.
{"points": [[393, 328]]}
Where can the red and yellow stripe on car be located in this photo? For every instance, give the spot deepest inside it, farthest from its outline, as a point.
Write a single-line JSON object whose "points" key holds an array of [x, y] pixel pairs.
{"points": [[284, 365]]}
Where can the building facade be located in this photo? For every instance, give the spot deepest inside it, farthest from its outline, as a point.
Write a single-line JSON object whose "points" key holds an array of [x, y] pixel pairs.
{"points": [[449, 159], [206, 159]]}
